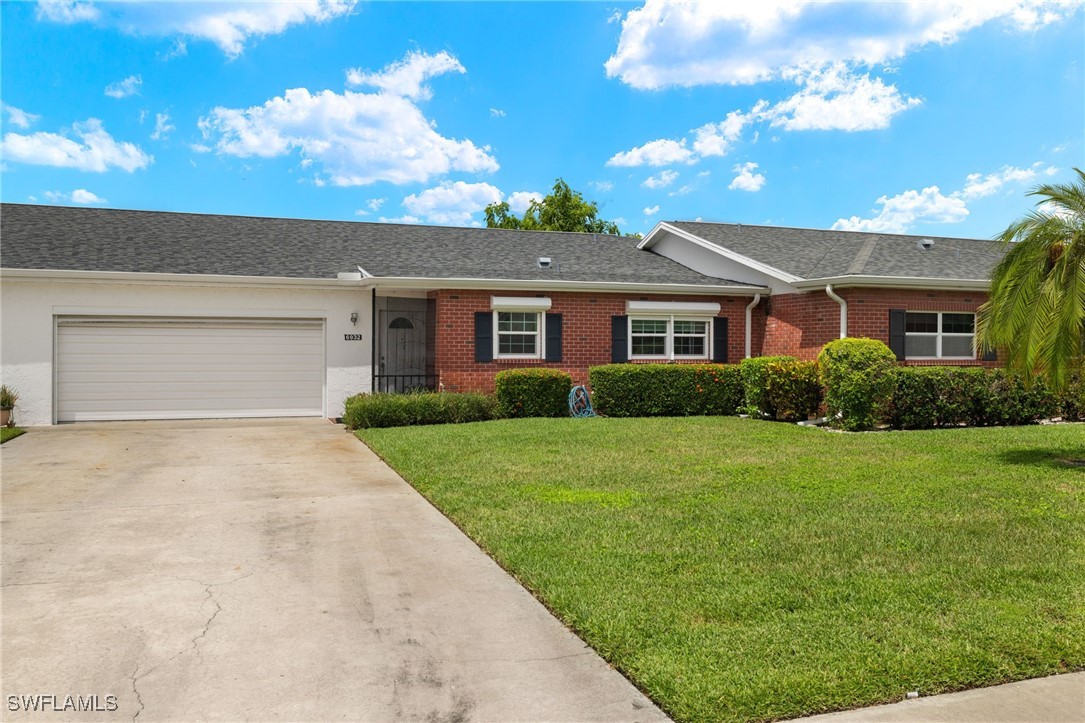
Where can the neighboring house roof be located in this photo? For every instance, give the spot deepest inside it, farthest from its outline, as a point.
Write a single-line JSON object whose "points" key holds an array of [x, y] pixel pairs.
{"points": [[816, 254], [84, 239]]}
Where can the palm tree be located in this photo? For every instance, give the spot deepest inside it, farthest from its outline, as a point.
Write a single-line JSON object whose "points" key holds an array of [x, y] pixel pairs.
{"points": [[1036, 307]]}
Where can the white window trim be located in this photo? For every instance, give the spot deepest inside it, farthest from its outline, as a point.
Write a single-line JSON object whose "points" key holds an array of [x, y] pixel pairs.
{"points": [[689, 308], [938, 337], [540, 335], [669, 355], [520, 303]]}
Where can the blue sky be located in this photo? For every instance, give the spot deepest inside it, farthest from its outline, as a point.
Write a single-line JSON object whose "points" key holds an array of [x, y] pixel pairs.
{"points": [[917, 117]]}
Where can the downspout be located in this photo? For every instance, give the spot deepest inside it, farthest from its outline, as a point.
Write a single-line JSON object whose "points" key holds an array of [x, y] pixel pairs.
{"points": [[843, 309], [372, 338], [749, 330]]}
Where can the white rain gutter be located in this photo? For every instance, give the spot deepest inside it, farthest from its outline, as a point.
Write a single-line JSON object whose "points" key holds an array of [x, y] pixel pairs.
{"points": [[749, 317], [843, 309]]}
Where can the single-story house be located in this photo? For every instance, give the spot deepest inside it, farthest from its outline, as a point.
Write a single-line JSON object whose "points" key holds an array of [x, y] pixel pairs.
{"points": [[113, 314]]}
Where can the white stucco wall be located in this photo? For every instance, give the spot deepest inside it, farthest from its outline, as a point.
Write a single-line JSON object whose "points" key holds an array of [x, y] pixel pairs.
{"points": [[709, 262], [28, 308]]}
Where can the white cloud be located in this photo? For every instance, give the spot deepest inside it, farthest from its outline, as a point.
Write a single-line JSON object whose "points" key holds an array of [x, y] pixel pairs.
{"points": [[67, 11], [651, 210], [95, 150], [834, 99], [228, 24], [899, 213], [124, 88], [665, 44], [746, 179], [497, 113], [452, 203], [407, 78], [714, 139], [682, 191], [519, 201], [400, 219], [375, 204], [358, 138], [79, 195], [661, 152], [162, 126], [20, 118], [662, 180], [601, 186]]}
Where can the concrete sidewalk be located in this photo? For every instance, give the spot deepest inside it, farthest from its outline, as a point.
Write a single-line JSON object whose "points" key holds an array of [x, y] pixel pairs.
{"points": [[1056, 699], [265, 570]]}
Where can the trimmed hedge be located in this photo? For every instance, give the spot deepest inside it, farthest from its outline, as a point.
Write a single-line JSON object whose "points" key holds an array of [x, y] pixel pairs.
{"points": [[1072, 399], [666, 390], [537, 392], [858, 376], [792, 389], [402, 410], [755, 384]]}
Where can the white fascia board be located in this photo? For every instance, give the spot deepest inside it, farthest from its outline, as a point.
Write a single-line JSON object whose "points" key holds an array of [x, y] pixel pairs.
{"points": [[432, 284], [128, 277], [894, 282], [672, 307], [519, 303], [772, 271]]}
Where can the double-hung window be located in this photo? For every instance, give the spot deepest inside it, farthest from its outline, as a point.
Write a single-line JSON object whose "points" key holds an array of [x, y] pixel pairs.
{"points": [[668, 337], [939, 335], [518, 326]]}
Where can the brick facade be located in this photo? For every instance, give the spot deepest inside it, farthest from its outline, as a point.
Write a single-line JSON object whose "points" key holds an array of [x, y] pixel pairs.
{"points": [[800, 324], [585, 337]]}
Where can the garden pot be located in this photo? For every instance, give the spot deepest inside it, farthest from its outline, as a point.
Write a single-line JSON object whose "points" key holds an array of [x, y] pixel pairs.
{"points": [[5, 418]]}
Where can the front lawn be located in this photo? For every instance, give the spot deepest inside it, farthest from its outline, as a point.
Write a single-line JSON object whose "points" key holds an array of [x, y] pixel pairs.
{"points": [[7, 433], [739, 570]]}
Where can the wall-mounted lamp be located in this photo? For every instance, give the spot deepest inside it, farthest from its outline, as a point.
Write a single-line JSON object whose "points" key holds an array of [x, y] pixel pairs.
{"points": [[354, 318]]}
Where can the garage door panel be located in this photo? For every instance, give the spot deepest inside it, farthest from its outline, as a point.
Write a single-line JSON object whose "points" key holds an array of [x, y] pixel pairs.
{"points": [[166, 369]]}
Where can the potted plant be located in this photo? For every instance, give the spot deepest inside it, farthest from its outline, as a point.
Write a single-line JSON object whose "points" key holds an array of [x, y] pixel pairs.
{"points": [[8, 397]]}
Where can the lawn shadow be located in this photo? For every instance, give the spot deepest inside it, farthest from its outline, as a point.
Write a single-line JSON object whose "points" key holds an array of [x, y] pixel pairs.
{"points": [[1046, 457]]}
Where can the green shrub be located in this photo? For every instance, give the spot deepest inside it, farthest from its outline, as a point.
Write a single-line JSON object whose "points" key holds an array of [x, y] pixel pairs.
{"points": [[401, 410], [755, 384], [666, 390], [928, 397], [858, 376], [792, 389], [1072, 398], [537, 392], [1010, 400]]}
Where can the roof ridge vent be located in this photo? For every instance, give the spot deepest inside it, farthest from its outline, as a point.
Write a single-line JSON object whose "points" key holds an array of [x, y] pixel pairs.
{"points": [[544, 262], [924, 244]]}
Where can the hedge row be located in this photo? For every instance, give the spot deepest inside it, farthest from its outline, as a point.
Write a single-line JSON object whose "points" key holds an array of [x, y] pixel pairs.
{"points": [[666, 390], [536, 392], [401, 410]]}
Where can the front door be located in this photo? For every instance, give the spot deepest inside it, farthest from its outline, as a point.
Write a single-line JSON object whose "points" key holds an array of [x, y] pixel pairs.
{"points": [[402, 349]]}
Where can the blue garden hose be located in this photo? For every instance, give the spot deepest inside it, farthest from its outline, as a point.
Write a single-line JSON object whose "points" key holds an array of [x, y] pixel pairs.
{"points": [[580, 403]]}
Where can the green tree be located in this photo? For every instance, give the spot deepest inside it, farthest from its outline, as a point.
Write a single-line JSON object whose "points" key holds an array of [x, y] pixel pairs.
{"points": [[563, 209], [1036, 307]]}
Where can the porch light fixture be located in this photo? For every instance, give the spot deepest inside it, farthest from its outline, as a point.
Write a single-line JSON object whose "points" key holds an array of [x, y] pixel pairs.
{"points": [[354, 318]]}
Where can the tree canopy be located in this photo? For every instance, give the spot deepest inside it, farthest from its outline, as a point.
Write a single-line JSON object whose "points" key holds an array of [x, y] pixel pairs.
{"points": [[563, 209], [1035, 310]]}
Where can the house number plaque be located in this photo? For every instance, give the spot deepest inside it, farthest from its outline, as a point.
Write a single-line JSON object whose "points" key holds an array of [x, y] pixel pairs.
{"points": [[352, 337]]}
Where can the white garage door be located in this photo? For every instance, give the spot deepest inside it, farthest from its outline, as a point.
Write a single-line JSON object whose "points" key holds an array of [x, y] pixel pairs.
{"points": [[128, 368]]}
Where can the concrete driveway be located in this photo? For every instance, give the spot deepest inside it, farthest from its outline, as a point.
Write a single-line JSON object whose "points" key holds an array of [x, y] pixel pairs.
{"points": [[264, 570]]}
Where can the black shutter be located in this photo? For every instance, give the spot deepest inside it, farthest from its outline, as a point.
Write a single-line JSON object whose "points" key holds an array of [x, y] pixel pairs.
{"points": [[990, 355], [719, 340], [897, 319], [553, 337], [484, 336], [619, 339]]}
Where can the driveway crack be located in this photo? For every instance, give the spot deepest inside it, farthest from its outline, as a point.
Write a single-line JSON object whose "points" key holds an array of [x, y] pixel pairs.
{"points": [[139, 698]]}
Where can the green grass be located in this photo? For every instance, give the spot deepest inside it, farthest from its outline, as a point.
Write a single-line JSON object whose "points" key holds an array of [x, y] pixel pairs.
{"points": [[744, 570], [7, 433]]}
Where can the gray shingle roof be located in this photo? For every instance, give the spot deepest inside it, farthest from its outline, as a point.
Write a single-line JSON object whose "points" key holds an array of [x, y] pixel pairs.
{"points": [[54, 237], [814, 254]]}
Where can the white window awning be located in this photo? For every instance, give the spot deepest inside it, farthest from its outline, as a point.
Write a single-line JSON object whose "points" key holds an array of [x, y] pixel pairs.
{"points": [[519, 303], [691, 308]]}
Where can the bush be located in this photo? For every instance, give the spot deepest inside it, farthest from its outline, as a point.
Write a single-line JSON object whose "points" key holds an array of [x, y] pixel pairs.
{"points": [[858, 376], [792, 389], [755, 384], [928, 397], [537, 392], [1008, 400], [400, 410], [666, 390], [1072, 399]]}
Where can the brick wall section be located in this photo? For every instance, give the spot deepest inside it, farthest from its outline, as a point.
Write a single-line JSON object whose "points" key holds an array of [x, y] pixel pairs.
{"points": [[585, 333], [800, 324]]}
